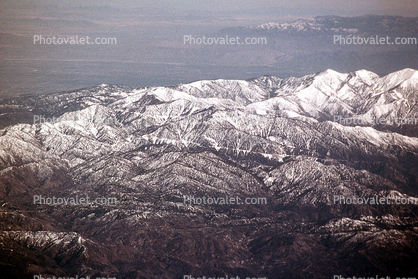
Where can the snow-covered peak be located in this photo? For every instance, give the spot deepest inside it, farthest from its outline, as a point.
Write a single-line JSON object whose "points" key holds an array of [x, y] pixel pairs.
{"points": [[404, 78], [240, 91], [331, 75], [168, 94], [366, 76], [298, 25], [305, 25]]}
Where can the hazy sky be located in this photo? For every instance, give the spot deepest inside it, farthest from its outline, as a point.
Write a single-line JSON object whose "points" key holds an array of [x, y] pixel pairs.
{"points": [[396, 7], [150, 50]]}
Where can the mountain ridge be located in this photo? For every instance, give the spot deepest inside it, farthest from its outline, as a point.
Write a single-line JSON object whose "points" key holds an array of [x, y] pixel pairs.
{"points": [[149, 148]]}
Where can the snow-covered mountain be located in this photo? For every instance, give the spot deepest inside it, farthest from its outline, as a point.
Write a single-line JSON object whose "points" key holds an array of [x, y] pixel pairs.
{"points": [[361, 94], [303, 25], [266, 137], [343, 25]]}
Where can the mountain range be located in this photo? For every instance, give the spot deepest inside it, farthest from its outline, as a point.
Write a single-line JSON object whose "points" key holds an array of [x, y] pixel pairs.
{"points": [[300, 144], [361, 25]]}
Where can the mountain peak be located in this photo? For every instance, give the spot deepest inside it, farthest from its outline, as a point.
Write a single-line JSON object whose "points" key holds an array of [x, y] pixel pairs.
{"points": [[329, 72], [405, 78]]}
